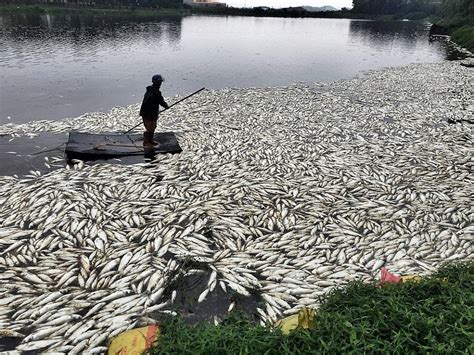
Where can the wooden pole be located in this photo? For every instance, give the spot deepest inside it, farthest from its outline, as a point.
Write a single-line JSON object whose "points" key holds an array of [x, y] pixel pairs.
{"points": [[177, 102]]}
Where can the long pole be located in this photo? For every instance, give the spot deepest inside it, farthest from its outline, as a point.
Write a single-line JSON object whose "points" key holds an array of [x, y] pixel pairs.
{"points": [[177, 102]]}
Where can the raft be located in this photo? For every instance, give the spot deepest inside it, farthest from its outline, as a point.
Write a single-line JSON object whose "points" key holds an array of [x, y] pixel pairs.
{"points": [[111, 145]]}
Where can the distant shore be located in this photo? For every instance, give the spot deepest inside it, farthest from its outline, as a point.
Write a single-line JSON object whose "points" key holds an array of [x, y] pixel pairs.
{"points": [[57, 10], [460, 29], [182, 11]]}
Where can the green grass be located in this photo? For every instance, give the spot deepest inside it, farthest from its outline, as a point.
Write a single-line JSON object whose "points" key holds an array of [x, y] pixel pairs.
{"points": [[455, 22], [460, 28], [432, 316], [464, 36]]}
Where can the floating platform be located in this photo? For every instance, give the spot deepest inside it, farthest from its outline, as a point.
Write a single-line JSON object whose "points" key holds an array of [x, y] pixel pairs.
{"points": [[111, 145]]}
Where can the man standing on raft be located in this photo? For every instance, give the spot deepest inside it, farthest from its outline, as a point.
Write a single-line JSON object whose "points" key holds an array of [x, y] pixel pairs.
{"points": [[150, 108]]}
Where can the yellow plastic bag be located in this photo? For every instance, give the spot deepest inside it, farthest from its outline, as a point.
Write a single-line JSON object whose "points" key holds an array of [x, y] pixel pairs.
{"points": [[410, 278], [135, 341], [415, 278], [303, 320]]}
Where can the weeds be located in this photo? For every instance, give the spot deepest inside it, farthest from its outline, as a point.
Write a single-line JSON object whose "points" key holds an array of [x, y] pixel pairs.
{"points": [[434, 315], [465, 37]]}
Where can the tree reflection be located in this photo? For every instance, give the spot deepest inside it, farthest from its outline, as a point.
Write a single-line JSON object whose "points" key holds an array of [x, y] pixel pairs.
{"points": [[383, 34], [90, 29]]}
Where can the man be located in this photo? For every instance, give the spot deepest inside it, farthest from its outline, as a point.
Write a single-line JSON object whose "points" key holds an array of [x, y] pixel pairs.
{"points": [[150, 108]]}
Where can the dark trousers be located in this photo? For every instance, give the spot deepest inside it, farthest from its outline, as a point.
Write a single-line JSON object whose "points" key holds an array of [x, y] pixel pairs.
{"points": [[150, 123]]}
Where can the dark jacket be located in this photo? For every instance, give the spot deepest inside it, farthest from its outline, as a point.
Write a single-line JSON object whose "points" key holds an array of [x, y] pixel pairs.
{"points": [[151, 102]]}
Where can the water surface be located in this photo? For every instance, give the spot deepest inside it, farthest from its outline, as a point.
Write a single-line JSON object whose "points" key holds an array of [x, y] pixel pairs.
{"points": [[54, 67]]}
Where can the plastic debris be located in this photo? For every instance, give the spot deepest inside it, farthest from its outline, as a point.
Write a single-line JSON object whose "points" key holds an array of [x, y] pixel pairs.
{"points": [[387, 277], [303, 320], [411, 278], [135, 341]]}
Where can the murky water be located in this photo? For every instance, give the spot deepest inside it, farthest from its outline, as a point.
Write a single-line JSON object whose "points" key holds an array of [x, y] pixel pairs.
{"points": [[25, 155], [54, 67], [41, 153]]}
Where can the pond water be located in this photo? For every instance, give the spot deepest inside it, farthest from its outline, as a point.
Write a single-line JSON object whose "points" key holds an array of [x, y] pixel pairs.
{"points": [[54, 67]]}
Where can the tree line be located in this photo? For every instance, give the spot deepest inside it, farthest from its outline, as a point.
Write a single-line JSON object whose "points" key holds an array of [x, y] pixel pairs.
{"points": [[444, 8], [451, 8], [103, 3], [393, 7], [154, 3], [448, 8]]}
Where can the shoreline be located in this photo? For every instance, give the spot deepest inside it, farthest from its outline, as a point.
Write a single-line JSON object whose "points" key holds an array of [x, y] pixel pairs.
{"points": [[280, 193]]}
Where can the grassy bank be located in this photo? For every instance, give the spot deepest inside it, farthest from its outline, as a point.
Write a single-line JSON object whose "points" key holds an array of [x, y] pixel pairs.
{"points": [[464, 36], [461, 30], [431, 316], [62, 10]]}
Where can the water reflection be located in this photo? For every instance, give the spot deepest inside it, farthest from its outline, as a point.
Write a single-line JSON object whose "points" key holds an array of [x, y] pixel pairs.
{"points": [[63, 66], [400, 35], [383, 34], [84, 35], [380, 31]]}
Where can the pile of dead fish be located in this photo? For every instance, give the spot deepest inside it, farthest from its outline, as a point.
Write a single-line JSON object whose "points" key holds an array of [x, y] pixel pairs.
{"points": [[284, 192]]}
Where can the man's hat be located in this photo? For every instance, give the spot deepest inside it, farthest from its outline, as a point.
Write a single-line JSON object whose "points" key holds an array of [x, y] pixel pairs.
{"points": [[157, 78]]}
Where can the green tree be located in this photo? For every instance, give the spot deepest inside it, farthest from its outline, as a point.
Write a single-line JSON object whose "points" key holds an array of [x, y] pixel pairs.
{"points": [[392, 7], [451, 8]]}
